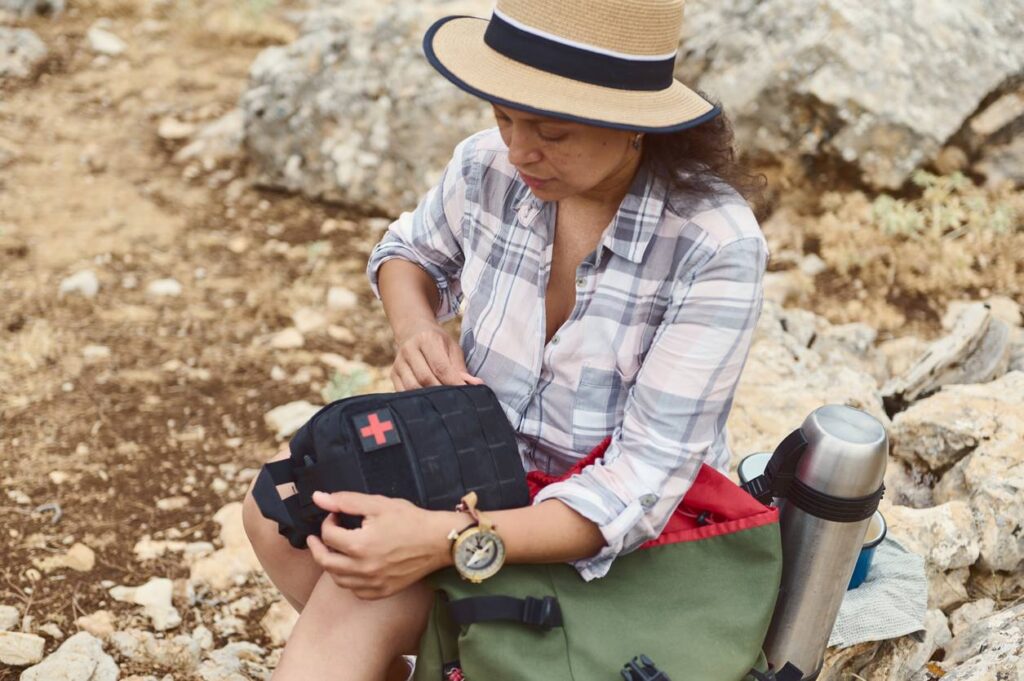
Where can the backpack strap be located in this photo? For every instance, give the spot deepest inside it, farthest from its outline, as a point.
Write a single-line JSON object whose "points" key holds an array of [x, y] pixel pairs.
{"points": [[543, 613]]}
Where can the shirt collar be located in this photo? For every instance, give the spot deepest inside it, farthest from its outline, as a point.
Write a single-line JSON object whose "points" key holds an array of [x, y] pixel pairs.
{"points": [[635, 222]]}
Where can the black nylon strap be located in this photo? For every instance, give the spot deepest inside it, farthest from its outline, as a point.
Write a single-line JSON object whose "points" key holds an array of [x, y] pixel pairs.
{"points": [[837, 509], [543, 613], [575, 62]]}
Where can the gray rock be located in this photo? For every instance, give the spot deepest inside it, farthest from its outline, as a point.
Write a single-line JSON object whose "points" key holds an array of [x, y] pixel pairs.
{"points": [[785, 380], [233, 662], [1003, 163], [25, 8], [991, 476], [22, 53], [9, 617], [80, 658], [854, 81], [975, 351], [969, 613], [944, 535], [352, 112], [989, 650], [216, 143], [181, 653], [900, 658], [18, 648]]}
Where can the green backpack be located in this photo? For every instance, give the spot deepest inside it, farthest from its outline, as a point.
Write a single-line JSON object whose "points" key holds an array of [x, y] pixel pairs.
{"points": [[692, 605]]}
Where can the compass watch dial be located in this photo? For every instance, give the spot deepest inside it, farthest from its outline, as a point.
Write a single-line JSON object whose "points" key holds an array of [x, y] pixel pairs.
{"points": [[478, 554]]}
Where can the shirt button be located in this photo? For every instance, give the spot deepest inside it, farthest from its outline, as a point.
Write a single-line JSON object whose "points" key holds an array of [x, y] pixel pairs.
{"points": [[581, 282], [648, 500], [554, 341]]}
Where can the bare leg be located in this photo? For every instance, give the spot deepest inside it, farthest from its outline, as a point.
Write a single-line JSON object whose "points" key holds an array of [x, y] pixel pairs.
{"points": [[342, 638], [293, 571], [296, 574]]}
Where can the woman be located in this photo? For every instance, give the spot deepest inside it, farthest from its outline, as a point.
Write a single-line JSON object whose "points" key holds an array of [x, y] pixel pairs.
{"points": [[611, 275]]}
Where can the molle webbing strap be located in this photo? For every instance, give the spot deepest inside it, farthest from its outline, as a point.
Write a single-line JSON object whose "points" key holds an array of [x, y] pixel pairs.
{"points": [[500, 436], [459, 418], [543, 613]]}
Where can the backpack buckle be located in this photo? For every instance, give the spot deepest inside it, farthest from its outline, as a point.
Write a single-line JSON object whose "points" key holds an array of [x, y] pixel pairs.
{"points": [[543, 613], [641, 668]]}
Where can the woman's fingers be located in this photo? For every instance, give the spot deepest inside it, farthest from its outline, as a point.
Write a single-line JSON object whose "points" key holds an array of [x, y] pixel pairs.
{"points": [[422, 370]]}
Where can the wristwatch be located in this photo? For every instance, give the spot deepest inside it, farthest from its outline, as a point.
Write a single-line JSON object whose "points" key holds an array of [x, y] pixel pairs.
{"points": [[477, 550]]}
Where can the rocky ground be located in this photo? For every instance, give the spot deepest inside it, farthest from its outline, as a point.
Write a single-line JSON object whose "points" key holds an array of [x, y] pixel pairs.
{"points": [[157, 308]]}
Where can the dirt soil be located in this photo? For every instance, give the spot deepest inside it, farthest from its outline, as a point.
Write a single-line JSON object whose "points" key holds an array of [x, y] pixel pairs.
{"points": [[177, 407], [90, 442]]}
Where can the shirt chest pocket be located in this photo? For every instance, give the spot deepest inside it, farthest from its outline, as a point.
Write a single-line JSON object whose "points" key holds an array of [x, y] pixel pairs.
{"points": [[597, 407]]}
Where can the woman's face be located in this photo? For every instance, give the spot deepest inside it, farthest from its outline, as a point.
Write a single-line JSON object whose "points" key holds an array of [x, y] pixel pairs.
{"points": [[558, 159]]}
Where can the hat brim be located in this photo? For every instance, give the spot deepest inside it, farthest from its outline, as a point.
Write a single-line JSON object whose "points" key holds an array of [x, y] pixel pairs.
{"points": [[455, 47]]}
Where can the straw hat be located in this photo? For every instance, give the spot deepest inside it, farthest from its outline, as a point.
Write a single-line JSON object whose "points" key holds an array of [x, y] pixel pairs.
{"points": [[602, 62]]}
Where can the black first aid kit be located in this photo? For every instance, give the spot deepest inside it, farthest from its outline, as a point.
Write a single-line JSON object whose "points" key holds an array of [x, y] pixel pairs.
{"points": [[430, 446]]}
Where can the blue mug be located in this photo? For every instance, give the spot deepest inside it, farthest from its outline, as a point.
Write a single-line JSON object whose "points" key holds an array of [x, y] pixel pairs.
{"points": [[875, 534], [753, 465]]}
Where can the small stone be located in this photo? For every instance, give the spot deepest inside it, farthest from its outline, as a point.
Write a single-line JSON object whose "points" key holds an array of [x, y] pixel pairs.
{"points": [[951, 159], [172, 503], [155, 597], [80, 658], [279, 621], [173, 130], [19, 649], [52, 630], [969, 613], [104, 42], [9, 617], [287, 339], [288, 418], [84, 283], [79, 558], [341, 334], [242, 607], [308, 320], [164, 288], [100, 624], [95, 353], [339, 298]]}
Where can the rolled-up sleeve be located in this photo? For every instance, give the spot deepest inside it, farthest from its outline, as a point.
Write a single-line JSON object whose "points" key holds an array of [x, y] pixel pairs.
{"points": [[430, 236], [676, 409]]}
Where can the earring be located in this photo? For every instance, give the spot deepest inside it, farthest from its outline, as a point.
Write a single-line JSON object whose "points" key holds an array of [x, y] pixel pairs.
{"points": [[636, 141]]}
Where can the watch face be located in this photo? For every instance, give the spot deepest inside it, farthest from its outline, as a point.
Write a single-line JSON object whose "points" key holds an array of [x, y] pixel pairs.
{"points": [[478, 554]]}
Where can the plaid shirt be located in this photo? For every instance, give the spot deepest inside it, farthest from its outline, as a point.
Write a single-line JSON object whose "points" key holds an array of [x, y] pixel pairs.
{"points": [[651, 354]]}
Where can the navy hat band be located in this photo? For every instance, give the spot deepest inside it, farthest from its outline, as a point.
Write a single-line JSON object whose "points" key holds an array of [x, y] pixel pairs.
{"points": [[577, 63]]}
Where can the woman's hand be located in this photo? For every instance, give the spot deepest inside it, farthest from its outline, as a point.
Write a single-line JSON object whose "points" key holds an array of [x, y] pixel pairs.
{"points": [[428, 356], [397, 545]]}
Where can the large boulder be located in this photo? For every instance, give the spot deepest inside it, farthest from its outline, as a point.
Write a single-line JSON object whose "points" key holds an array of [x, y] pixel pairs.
{"points": [[990, 649], [352, 112], [880, 85], [786, 378], [991, 476]]}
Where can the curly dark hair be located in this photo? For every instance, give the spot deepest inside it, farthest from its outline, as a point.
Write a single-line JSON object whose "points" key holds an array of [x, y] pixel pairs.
{"points": [[697, 160]]}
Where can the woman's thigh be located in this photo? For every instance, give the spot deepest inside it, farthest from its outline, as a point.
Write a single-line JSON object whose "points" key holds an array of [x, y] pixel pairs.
{"points": [[356, 640]]}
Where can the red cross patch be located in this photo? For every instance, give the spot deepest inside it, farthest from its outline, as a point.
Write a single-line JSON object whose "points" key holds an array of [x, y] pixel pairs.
{"points": [[376, 429]]}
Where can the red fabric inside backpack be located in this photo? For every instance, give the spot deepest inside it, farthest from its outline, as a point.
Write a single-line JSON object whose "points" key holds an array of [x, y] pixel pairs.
{"points": [[729, 509]]}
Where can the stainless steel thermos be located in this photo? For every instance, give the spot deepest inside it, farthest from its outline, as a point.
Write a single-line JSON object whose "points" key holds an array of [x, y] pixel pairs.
{"points": [[829, 473]]}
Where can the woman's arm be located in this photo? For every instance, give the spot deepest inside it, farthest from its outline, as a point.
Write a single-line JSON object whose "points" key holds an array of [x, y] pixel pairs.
{"points": [[426, 355], [399, 543]]}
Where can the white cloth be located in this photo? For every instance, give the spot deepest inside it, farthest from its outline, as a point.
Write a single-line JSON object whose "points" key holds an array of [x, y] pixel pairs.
{"points": [[890, 603]]}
